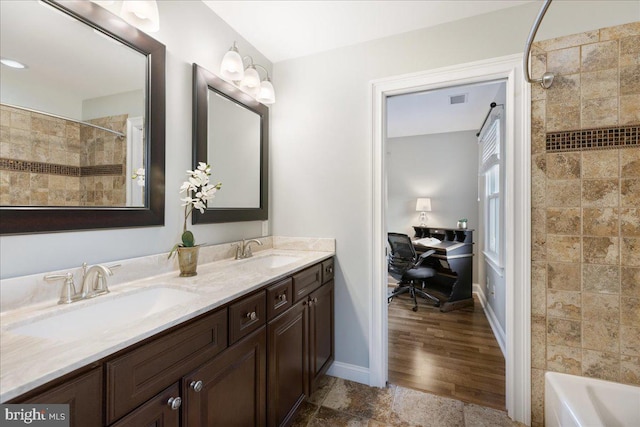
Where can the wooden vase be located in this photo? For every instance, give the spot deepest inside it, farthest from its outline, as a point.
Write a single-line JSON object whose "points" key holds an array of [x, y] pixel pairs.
{"points": [[188, 260]]}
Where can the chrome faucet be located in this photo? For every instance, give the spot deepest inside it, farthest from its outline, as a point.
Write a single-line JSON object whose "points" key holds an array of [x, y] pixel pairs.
{"points": [[243, 250], [89, 289]]}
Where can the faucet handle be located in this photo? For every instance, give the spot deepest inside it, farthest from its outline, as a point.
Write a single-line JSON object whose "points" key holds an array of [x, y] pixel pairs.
{"points": [[68, 294]]}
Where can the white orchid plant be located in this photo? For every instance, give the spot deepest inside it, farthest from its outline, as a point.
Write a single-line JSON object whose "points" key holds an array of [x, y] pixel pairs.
{"points": [[199, 191]]}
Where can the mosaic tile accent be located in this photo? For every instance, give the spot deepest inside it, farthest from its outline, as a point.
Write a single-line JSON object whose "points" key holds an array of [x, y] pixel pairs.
{"points": [[593, 139], [62, 170]]}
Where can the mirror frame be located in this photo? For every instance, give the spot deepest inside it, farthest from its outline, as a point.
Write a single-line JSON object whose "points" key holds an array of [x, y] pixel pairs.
{"points": [[35, 219], [203, 80]]}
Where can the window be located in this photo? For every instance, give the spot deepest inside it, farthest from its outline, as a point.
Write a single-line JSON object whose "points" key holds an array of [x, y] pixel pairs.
{"points": [[489, 168]]}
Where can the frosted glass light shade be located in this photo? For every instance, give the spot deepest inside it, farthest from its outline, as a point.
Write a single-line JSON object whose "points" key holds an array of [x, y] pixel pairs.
{"points": [[267, 94], [232, 67], [143, 14], [423, 204], [251, 81]]}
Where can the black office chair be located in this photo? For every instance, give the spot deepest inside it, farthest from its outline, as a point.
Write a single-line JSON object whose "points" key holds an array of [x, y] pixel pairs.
{"points": [[405, 266]]}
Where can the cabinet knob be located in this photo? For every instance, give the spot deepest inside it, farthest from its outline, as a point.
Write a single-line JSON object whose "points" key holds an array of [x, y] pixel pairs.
{"points": [[330, 269], [282, 297], [196, 386], [174, 403], [314, 300], [252, 315]]}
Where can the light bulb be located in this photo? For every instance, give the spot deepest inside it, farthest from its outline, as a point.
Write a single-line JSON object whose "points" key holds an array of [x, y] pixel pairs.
{"points": [[251, 81], [267, 94], [231, 67]]}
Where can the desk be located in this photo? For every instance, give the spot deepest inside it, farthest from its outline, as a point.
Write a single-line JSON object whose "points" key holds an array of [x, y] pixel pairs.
{"points": [[453, 262]]}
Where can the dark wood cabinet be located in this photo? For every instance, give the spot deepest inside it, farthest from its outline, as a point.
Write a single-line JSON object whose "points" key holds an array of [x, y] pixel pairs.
{"points": [[161, 411], [321, 336], [230, 390], [83, 394]]}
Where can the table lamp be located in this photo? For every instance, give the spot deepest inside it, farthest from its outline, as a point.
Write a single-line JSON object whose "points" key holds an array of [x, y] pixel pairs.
{"points": [[423, 205]]}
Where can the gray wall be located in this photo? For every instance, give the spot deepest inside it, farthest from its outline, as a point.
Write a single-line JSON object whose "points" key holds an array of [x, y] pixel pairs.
{"points": [[321, 134], [441, 166]]}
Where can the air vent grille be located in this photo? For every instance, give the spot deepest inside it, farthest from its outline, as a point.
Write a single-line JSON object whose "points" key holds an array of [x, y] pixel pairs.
{"points": [[458, 99]]}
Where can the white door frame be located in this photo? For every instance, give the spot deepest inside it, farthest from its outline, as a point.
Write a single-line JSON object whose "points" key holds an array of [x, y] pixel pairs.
{"points": [[517, 221]]}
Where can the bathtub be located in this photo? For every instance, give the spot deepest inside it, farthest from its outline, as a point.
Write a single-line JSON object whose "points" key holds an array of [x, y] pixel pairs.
{"points": [[572, 401]]}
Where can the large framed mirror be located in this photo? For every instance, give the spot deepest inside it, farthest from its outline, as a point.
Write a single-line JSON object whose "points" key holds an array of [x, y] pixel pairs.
{"points": [[231, 133], [83, 123]]}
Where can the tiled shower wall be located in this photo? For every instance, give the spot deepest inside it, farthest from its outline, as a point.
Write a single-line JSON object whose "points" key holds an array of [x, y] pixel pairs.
{"points": [[585, 200], [48, 161]]}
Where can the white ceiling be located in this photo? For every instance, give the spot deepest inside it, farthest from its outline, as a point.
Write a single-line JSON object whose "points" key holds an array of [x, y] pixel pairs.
{"points": [[283, 30]]}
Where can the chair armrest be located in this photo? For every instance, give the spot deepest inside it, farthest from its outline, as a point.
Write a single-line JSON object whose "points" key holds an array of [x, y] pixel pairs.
{"points": [[424, 256]]}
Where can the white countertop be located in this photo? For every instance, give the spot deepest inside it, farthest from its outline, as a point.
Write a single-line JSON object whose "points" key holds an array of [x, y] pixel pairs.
{"points": [[28, 362]]}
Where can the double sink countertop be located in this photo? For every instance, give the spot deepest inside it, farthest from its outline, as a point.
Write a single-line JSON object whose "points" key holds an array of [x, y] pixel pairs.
{"points": [[30, 356]]}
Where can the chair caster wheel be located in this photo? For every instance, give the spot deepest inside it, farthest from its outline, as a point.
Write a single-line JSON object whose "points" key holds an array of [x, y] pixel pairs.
{"points": [[415, 309]]}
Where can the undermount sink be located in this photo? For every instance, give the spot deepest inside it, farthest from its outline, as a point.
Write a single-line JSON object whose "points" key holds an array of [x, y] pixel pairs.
{"points": [[110, 312], [272, 261]]}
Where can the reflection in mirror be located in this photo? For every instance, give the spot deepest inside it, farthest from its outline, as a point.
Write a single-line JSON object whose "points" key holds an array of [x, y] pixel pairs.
{"points": [[231, 134], [82, 145]]}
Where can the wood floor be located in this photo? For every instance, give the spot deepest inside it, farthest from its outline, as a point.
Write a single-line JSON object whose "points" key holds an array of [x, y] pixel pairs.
{"points": [[450, 354]]}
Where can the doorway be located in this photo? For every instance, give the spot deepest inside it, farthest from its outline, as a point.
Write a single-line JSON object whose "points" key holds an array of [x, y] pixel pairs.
{"points": [[517, 217]]}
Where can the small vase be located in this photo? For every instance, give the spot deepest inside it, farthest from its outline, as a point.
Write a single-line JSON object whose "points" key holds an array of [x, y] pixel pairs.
{"points": [[188, 260]]}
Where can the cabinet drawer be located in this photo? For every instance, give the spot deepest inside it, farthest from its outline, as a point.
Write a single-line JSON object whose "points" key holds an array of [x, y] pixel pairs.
{"points": [[279, 298], [246, 316], [156, 412], [144, 372], [306, 282], [327, 270]]}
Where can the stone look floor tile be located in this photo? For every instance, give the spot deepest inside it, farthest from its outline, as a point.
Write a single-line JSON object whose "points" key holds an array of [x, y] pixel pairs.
{"points": [[330, 417], [361, 400], [480, 416], [422, 409]]}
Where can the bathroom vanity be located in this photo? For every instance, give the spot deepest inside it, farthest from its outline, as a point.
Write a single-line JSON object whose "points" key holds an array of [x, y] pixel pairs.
{"points": [[241, 357]]}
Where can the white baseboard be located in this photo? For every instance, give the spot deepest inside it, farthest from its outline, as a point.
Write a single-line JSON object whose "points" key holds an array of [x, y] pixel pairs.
{"points": [[498, 332], [349, 372]]}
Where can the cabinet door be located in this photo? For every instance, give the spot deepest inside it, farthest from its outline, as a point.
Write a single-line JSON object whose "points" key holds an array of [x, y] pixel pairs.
{"points": [[161, 411], [321, 348], [83, 394], [229, 390], [288, 361]]}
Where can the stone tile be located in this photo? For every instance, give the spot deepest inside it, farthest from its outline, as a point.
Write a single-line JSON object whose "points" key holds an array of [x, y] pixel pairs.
{"points": [[600, 307], [330, 417], [630, 192], [564, 61], [566, 193], [604, 279], [630, 222], [630, 251], [629, 109], [324, 386], [599, 84], [305, 413], [360, 400], [538, 68], [599, 112], [538, 180], [567, 360], [600, 193], [599, 364], [537, 397], [563, 165], [564, 332], [20, 120], [563, 248], [630, 163], [630, 51], [630, 339], [599, 56], [413, 407], [630, 310], [601, 336], [563, 221], [601, 250], [630, 80], [569, 41], [538, 341], [620, 31], [565, 91], [630, 281], [564, 277], [630, 370], [564, 304], [600, 222], [480, 416], [600, 164], [562, 116], [538, 289]]}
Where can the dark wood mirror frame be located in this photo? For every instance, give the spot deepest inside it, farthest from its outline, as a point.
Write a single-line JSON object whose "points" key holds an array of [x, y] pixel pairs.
{"points": [[21, 220], [203, 80]]}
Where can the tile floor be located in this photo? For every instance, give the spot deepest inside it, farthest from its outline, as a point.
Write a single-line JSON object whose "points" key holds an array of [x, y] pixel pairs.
{"points": [[339, 402]]}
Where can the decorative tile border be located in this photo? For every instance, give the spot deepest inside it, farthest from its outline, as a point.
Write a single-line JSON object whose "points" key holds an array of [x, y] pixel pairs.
{"points": [[63, 170], [594, 139]]}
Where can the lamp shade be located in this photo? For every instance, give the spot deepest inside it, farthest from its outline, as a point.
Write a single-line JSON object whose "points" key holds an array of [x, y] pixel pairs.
{"points": [[142, 14], [423, 204], [267, 94], [232, 67], [251, 81]]}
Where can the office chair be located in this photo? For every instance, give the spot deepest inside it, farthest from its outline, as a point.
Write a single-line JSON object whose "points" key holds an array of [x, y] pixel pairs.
{"points": [[405, 266]]}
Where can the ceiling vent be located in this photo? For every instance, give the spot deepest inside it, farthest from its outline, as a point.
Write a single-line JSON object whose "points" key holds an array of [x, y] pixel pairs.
{"points": [[458, 99]]}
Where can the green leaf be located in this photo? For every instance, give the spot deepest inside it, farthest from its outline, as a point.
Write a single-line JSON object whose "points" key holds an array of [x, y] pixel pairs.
{"points": [[188, 240], [173, 250]]}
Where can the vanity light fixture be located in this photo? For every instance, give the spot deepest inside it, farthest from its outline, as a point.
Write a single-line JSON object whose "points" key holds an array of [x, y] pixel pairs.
{"points": [[12, 63], [247, 78], [423, 205], [142, 14]]}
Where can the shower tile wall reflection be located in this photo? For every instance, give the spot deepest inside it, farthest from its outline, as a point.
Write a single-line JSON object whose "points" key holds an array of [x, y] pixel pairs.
{"points": [[586, 209]]}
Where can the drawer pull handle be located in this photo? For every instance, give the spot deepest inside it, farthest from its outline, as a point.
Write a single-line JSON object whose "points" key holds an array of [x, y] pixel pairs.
{"points": [[252, 315], [196, 386], [282, 297], [174, 403], [330, 269]]}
